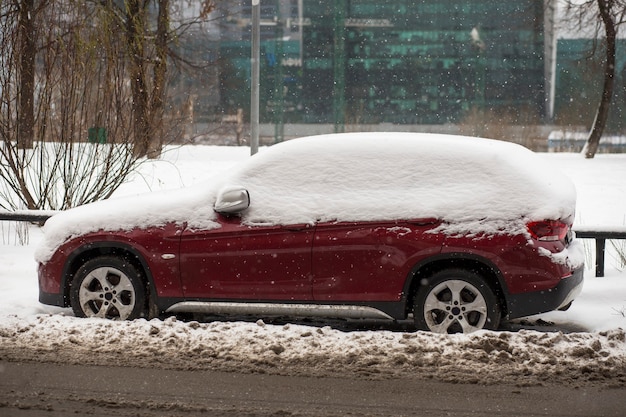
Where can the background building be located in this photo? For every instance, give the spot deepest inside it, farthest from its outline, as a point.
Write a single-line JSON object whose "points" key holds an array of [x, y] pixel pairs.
{"points": [[423, 62], [390, 61]]}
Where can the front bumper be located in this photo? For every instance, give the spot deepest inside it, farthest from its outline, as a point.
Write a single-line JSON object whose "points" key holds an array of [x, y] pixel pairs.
{"points": [[530, 303], [52, 299]]}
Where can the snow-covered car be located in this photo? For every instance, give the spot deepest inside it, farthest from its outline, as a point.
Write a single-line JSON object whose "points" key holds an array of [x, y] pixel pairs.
{"points": [[457, 232]]}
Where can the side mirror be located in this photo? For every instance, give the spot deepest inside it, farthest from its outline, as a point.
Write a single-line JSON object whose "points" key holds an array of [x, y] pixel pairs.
{"points": [[232, 200]]}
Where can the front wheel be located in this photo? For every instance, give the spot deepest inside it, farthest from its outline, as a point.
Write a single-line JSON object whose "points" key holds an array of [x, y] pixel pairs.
{"points": [[455, 301], [108, 287]]}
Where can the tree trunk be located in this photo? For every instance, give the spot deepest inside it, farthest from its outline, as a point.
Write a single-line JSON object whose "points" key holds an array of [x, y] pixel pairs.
{"points": [[26, 112], [135, 26], [159, 71], [602, 114]]}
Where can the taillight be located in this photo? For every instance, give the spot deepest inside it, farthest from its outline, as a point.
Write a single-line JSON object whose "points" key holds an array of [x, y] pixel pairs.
{"points": [[548, 230]]}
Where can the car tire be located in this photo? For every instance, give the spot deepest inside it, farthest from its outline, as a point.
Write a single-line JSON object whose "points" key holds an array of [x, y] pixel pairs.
{"points": [[455, 301], [108, 287]]}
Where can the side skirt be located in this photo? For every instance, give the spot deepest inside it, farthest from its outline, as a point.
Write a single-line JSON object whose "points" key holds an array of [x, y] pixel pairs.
{"points": [[279, 309]]}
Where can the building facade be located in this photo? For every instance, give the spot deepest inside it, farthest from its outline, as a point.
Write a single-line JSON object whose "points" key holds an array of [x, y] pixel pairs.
{"points": [[398, 61]]}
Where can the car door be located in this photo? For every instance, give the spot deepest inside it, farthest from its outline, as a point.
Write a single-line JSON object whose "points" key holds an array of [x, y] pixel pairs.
{"points": [[247, 262], [369, 261]]}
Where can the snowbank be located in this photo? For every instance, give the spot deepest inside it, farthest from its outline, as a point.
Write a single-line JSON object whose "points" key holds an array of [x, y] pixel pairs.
{"points": [[521, 358]]}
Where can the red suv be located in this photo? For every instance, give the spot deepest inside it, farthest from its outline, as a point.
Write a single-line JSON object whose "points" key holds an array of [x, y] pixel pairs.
{"points": [[457, 232]]}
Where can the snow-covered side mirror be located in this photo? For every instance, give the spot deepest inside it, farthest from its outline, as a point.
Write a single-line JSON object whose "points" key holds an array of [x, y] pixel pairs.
{"points": [[232, 200]]}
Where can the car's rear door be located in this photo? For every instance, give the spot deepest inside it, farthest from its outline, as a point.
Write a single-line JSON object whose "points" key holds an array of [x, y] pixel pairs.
{"points": [[243, 262], [368, 261]]}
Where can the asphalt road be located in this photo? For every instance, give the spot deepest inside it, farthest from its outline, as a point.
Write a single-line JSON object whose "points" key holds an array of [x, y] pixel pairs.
{"points": [[51, 390]]}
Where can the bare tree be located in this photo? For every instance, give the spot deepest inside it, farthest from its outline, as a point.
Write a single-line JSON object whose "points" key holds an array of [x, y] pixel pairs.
{"points": [[26, 52], [78, 84], [71, 90], [607, 15], [147, 30], [159, 70], [135, 23]]}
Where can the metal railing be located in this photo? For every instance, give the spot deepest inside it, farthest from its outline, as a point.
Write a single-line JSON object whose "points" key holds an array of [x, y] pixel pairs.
{"points": [[600, 235], [34, 216]]}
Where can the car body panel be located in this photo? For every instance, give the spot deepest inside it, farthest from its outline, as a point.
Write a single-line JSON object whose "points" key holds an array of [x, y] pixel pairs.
{"points": [[369, 265], [147, 246], [523, 268], [237, 261], [368, 261]]}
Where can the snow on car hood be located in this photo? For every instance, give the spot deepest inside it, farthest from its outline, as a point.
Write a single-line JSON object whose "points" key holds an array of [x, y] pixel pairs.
{"points": [[475, 185], [193, 205]]}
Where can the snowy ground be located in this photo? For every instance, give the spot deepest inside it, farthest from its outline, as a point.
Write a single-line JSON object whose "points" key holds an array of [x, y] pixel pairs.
{"points": [[586, 344]]}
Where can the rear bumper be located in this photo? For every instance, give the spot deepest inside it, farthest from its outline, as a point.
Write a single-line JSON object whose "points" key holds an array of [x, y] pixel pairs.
{"points": [[529, 303]]}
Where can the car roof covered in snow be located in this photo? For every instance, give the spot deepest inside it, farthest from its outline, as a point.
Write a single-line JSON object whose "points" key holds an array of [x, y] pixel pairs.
{"points": [[379, 176]]}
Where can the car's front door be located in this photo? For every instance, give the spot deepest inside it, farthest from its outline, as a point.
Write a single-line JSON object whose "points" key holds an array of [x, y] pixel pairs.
{"points": [[242, 262]]}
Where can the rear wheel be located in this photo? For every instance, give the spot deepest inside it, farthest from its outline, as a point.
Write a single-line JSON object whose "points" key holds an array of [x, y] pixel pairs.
{"points": [[108, 287], [456, 301]]}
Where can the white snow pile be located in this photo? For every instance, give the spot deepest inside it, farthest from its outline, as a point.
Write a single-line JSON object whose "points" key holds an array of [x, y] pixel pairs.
{"points": [[475, 185], [522, 358]]}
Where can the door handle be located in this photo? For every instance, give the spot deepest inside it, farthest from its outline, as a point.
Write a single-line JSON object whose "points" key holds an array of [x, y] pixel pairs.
{"points": [[297, 227]]}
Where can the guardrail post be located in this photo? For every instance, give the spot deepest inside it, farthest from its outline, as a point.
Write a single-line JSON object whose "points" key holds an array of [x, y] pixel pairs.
{"points": [[600, 234], [600, 246]]}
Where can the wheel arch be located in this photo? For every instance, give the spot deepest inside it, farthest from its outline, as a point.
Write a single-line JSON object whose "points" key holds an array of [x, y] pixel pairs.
{"points": [[482, 266], [96, 249]]}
